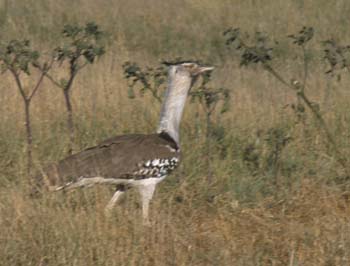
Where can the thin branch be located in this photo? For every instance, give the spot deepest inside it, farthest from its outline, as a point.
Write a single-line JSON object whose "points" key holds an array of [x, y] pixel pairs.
{"points": [[340, 158], [211, 109], [44, 71], [36, 86], [55, 82], [70, 81], [46, 74], [81, 67], [305, 67], [19, 84], [154, 94], [277, 76]]}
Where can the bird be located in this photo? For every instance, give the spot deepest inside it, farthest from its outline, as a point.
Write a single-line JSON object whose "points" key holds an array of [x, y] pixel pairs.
{"points": [[135, 160]]}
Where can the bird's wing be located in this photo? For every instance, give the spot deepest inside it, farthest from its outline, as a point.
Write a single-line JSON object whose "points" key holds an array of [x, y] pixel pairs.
{"points": [[119, 157]]}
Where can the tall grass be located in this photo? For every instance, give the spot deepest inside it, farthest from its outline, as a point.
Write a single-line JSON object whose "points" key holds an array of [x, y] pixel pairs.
{"points": [[244, 217]]}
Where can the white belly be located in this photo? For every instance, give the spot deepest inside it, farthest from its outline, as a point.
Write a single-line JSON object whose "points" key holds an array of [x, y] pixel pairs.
{"points": [[147, 181]]}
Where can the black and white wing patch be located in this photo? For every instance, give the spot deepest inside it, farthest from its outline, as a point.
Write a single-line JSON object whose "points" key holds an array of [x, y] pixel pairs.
{"points": [[156, 168]]}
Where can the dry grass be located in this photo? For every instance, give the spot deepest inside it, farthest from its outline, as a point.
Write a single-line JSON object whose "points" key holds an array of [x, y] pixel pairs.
{"points": [[246, 217], [310, 227]]}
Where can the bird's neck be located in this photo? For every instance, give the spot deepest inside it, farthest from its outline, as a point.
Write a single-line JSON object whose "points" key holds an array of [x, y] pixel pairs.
{"points": [[173, 106]]}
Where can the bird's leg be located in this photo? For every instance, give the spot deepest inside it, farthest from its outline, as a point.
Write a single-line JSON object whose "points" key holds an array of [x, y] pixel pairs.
{"points": [[115, 199], [146, 192]]}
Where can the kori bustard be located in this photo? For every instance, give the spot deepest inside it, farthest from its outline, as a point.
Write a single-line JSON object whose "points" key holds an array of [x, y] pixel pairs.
{"points": [[136, 160]]}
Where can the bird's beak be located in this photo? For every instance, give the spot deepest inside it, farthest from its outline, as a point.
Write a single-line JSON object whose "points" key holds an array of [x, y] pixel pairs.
{"points": [[198, 71], [195, 69], [207, 68], [201, 70]]}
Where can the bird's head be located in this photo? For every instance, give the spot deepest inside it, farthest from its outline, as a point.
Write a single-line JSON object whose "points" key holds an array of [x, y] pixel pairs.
{"points": [[186, 72], [189, 69]]}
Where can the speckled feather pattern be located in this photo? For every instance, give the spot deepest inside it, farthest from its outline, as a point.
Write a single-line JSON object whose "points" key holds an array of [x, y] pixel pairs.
{"points": [[156, 168]]}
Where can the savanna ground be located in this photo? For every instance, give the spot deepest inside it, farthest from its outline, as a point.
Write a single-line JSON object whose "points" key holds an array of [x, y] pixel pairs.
{"points": [[259, 209]]}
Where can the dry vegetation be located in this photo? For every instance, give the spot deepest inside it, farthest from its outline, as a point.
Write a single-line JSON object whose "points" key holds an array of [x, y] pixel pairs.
{"points": [[293, 212]]}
